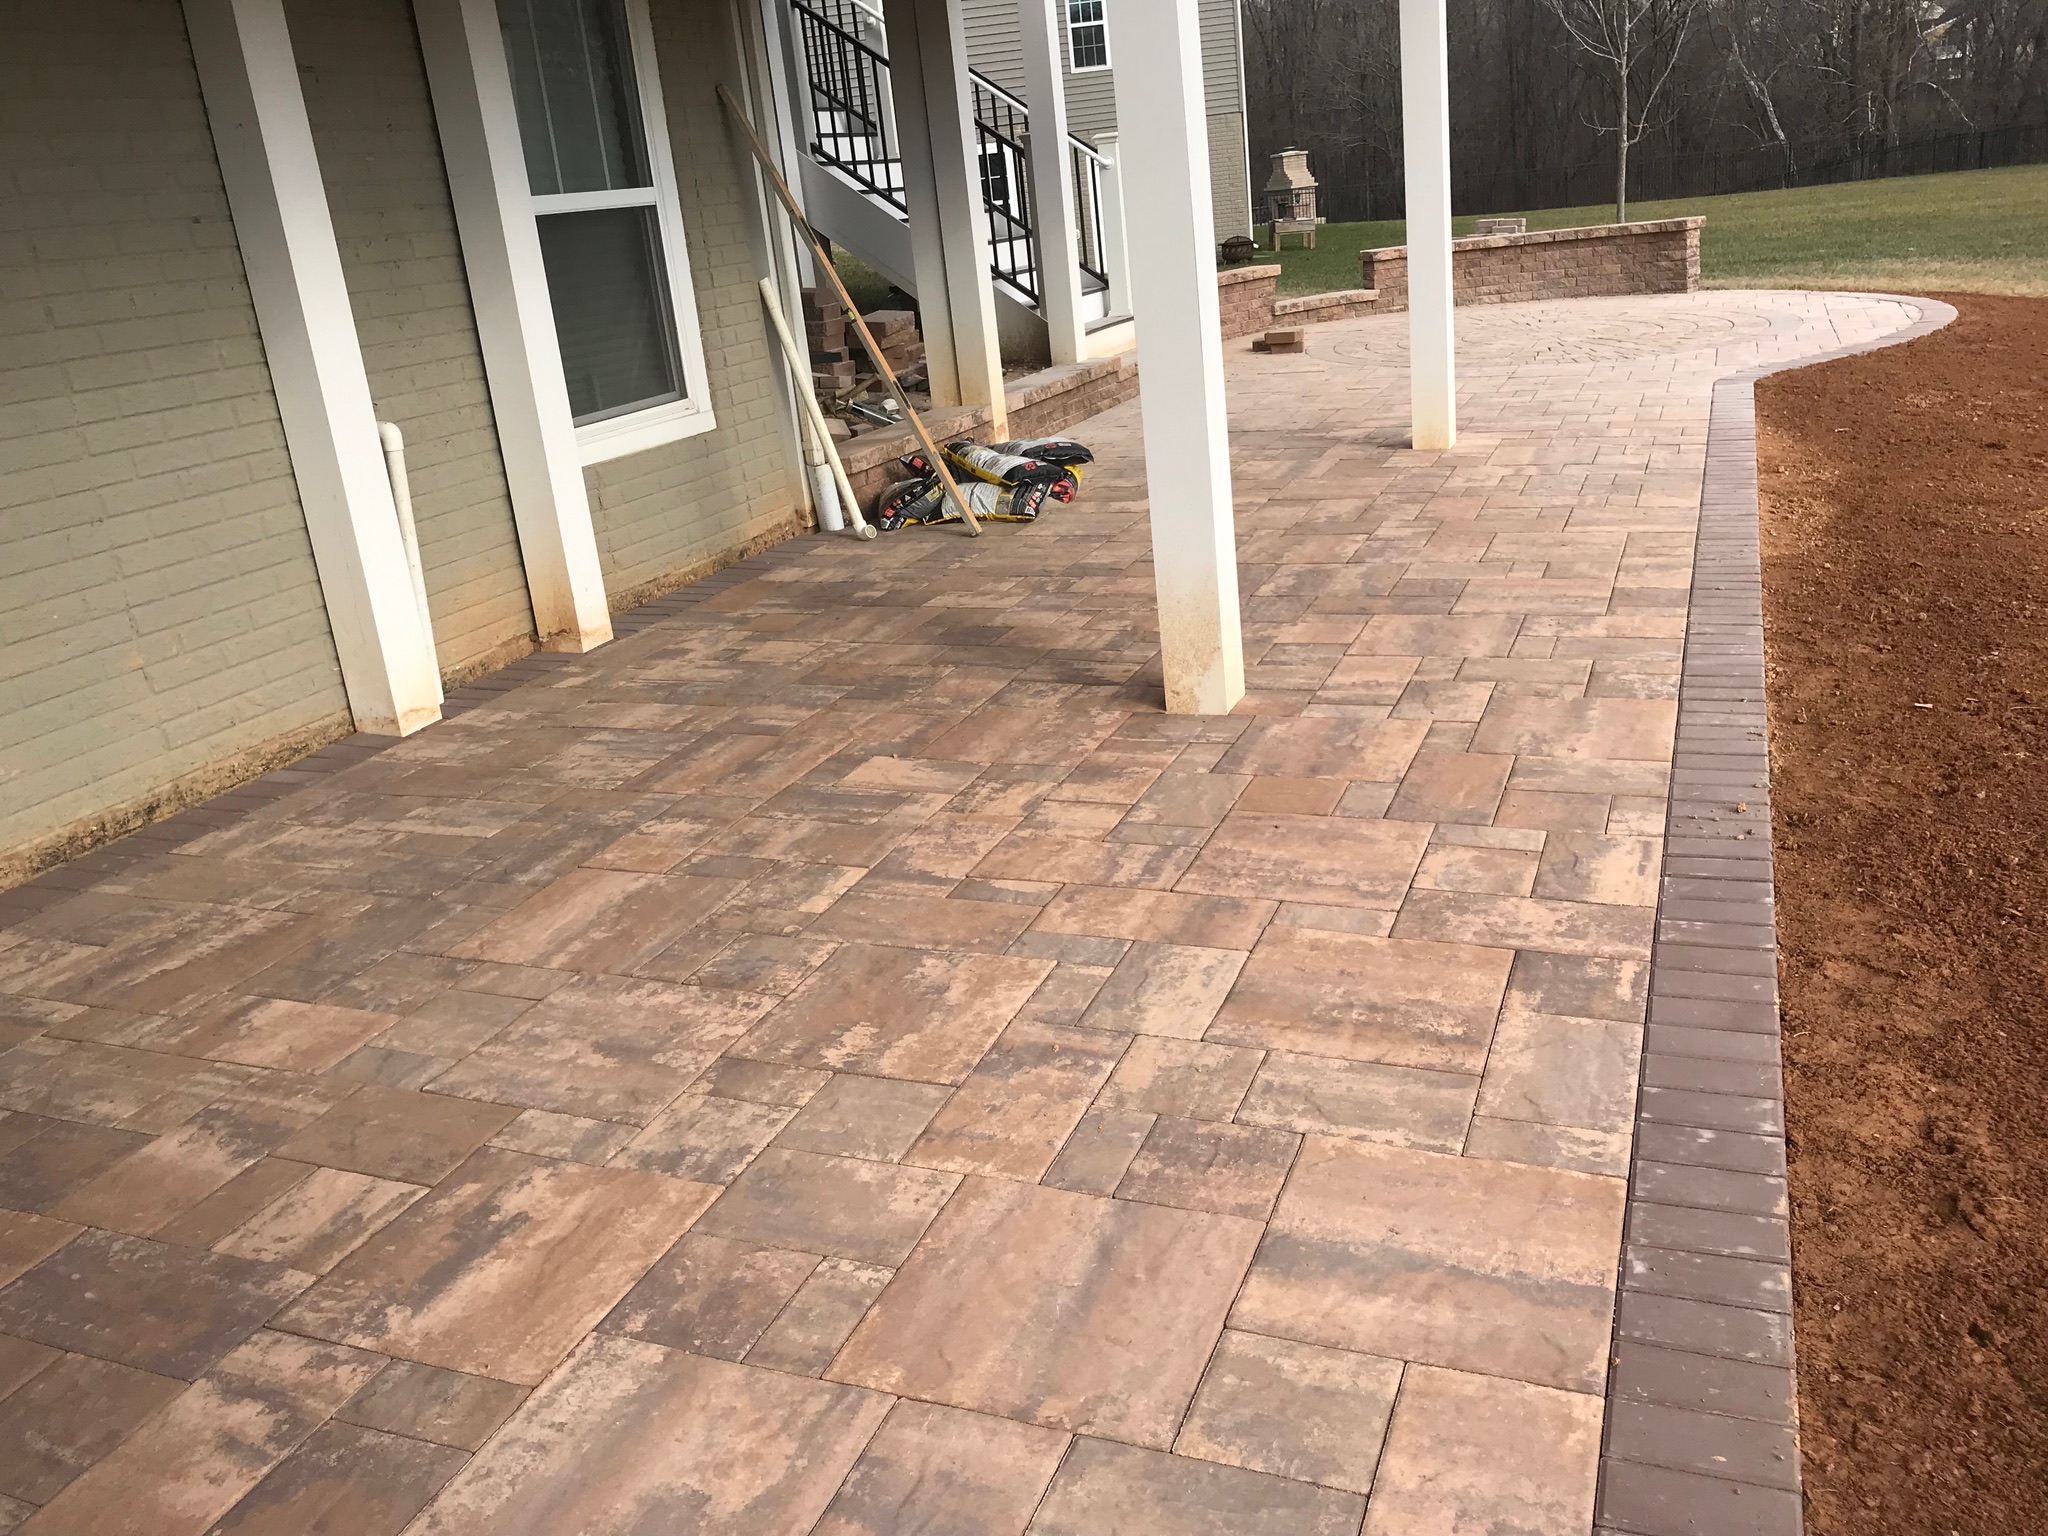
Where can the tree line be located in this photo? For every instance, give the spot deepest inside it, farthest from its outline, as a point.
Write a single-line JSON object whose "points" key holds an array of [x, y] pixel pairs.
{"points": [[1564, 102]]}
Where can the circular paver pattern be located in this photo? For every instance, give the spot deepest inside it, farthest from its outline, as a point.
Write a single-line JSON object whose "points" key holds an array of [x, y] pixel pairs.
{"points": [[1575, 331]]}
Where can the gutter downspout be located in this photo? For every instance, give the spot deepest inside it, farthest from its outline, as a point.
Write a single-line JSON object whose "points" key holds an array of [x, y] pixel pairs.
{"points": [[401, 494]]}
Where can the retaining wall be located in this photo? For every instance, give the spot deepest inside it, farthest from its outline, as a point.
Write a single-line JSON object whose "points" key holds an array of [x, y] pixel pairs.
{"points": [[1651, 256], [1248, 300]]}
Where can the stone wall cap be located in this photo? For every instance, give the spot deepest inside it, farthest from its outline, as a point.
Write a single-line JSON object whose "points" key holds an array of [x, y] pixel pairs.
{"points": [[1225, 277], [1303, 303]]}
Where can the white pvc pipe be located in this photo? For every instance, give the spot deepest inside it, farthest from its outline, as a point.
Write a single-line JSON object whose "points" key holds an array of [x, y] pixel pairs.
{"points": [[401, 496], [800, 368]]}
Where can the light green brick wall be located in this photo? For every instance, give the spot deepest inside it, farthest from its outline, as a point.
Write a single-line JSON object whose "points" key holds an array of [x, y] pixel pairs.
{"points": [[380, 157], [684, 506], [162, 631], [160, 614]]}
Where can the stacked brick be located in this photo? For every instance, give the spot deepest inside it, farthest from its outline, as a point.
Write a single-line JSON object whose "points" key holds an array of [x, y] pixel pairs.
{"points": [[834, 368], [895, 332], [839, 364]]}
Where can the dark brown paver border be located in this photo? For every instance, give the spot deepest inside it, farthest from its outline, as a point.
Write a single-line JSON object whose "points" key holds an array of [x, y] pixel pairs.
{"points": [[1701, 1437]]}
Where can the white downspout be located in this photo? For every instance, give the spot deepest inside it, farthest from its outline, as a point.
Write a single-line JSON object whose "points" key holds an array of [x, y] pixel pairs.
{"points": [[401, 494]]}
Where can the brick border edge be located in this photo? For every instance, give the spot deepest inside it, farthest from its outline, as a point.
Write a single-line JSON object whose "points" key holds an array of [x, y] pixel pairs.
{"points": [[1701, 1430]]}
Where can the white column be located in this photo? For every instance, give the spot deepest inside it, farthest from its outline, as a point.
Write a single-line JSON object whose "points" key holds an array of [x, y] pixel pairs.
{"points": [[1116, 251], [1426, 155], [1169, 229], [948, 225], [1052, 182], [258, 117], [508, 289], [763, 92]]}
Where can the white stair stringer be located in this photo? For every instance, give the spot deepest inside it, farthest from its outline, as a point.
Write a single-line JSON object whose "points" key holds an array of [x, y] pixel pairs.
{"points": [[847, 215]]}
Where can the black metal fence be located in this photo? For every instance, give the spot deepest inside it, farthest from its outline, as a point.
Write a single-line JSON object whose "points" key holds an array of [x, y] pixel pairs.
{"points": [[1706, 174]]}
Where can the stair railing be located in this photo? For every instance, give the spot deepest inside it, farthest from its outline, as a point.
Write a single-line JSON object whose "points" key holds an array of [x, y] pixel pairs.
{"points": [[846, 64], [1002, 124]]}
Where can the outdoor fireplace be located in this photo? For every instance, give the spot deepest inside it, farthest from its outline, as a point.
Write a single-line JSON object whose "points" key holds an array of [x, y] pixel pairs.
{"points": [[1290, 196]]}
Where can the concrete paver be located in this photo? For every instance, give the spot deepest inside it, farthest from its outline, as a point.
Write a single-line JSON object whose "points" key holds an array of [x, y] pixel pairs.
{"points": [[840, 1057]]}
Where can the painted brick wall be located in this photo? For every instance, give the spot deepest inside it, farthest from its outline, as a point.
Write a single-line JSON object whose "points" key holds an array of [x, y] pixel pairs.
{"points": [[159, 608], [373, 127], [677, 509]]}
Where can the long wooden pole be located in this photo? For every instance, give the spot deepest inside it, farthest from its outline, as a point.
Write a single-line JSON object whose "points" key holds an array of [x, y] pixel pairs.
{"points": [[796, 217]]}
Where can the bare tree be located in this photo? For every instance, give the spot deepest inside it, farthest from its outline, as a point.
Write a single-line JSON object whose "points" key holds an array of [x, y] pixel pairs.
{"points": [[1754, 41], [1697, 94], [1634, 45]]}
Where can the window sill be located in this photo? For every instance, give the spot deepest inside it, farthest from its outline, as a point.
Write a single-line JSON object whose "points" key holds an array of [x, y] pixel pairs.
{"points": [[602, 441]]}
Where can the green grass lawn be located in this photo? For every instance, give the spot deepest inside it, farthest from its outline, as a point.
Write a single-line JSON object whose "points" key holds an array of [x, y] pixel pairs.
{"points": [[1967, 231]]}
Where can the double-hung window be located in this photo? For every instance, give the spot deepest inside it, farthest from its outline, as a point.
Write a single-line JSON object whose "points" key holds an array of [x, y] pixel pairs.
{"points": [[1087, 36], [611, 234]]}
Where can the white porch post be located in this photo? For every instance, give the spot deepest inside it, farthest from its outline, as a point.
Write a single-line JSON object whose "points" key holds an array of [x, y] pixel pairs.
{"points": [[257, 113], [1052, 182], [1116, 251], [508, 287], [942, 184], [1426, 156], [1170, 233]]}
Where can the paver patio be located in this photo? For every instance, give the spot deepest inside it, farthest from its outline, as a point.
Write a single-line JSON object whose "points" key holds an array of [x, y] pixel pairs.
{"points": [[842, 1060]]}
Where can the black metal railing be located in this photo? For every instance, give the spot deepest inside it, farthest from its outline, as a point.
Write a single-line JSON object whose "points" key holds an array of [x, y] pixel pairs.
{"points": [[846, 64], [853, 119], [1002, 125]]}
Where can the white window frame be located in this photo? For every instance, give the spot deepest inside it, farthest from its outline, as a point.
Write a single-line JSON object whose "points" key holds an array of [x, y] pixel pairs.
{"points": [[1101, 22], [636, 431]]}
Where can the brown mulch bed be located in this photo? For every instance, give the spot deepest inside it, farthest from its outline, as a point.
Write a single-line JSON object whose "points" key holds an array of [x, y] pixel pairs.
{"points": [[1905, 528]]}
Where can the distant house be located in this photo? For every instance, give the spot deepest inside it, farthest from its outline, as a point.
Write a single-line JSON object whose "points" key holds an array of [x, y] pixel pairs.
{"points": [[1090, 78]]}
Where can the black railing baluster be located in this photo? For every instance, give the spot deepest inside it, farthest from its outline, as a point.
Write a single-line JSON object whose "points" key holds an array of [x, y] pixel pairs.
{"points": [[854, 134]]}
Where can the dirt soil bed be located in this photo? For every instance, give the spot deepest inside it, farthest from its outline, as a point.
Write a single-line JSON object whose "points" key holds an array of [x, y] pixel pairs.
{"points": [[1905, 524]]}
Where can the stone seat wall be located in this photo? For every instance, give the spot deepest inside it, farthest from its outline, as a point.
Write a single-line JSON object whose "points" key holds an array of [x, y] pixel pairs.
{"points": [[1650, 256]]}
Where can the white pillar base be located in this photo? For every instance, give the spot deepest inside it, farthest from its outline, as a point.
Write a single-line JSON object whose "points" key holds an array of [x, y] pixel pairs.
{"points": [[479, 127], [257, 113], [1169, 226], [1426, 159], [948, 226], [1052, 183]]}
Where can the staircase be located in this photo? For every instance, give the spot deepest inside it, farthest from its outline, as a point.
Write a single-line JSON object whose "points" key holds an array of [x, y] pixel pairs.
{"points": [[852, 170]]}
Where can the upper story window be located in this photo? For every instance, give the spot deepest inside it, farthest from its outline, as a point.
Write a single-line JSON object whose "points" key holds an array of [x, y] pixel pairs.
{"points": [[1087, 36], [610, 226]]}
